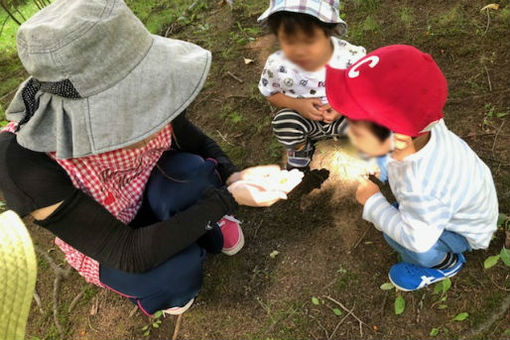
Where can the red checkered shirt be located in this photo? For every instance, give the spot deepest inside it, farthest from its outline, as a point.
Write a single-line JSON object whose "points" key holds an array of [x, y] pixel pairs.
{"points": [[116, 180]]}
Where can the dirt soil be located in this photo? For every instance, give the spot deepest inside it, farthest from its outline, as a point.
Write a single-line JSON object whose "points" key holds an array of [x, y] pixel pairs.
{"points": [[325, 249]]}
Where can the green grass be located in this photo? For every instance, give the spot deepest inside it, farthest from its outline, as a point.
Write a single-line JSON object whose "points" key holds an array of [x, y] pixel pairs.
{"points": [[11, 70], [407, 16], [156, 14], [8, 37]]}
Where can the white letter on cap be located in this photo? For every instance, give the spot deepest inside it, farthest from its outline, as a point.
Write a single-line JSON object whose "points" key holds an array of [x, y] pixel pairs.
{"points": [[353, 72]]}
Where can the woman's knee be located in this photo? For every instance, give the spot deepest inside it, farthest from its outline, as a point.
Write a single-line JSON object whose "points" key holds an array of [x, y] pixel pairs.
{"points": [[178, 182]]}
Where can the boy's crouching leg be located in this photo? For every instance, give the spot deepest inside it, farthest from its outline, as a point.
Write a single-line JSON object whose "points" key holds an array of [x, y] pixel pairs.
{"points": [[418, 270]]}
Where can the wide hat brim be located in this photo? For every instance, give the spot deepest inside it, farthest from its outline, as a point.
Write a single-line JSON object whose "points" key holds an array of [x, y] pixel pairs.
{"points": [[18, 274], [157, 90]]}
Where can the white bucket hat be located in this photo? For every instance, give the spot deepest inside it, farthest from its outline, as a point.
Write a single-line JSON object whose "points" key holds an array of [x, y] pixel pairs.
{"points": [[99, 80], [327, 11]]}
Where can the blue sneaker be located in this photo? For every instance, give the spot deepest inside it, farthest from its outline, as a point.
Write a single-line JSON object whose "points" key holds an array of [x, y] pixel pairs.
{"points": [[408, 277]]}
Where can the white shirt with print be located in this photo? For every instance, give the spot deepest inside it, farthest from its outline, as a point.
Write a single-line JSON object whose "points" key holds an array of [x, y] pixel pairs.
{"points": [[280, 75]]}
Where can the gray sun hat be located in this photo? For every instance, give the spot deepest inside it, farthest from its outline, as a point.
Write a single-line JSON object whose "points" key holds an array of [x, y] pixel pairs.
{"points": [[99, 80], [327, 11]]}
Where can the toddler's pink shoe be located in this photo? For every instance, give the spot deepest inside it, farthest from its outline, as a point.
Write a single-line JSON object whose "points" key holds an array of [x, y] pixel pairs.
{"points": [[233, 238]]}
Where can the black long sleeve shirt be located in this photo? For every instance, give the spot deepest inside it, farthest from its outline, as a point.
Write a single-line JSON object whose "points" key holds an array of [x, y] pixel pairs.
{"points": [[32, 180]]}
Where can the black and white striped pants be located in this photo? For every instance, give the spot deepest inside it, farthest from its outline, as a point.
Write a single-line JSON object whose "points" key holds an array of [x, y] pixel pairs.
{"points": [[292, 129]]}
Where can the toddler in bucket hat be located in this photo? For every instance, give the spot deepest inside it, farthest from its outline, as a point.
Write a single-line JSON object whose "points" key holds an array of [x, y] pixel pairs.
{"points": [[446, 199], [294, 77]]}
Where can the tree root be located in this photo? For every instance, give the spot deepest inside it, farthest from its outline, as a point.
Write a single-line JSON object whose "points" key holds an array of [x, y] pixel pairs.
{"points": [[60, 274], [484, 327]]}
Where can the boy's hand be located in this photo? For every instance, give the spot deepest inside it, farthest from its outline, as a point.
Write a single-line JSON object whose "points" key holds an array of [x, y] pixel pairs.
{"points": [[329, 114], [309, 108], [366, 189]]}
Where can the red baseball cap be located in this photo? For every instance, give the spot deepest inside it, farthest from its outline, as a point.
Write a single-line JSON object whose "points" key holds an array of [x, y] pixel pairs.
{"points": [[398, 87]]}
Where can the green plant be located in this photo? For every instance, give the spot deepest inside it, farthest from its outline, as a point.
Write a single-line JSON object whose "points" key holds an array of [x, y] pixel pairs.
{"points": [[370, 24], [155, 321], [504, 254], [442, 288], [434, 331], [490, 113], [316, 301], [461, 316], [367, 5], [235, 117], [243, 35], [406, 16], [399, 305]]}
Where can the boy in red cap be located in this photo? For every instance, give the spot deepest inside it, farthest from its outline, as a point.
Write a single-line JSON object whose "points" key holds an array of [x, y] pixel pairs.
{"points": [[393, 99]]}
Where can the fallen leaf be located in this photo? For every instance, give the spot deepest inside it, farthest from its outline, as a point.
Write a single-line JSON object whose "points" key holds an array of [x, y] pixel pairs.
{"points": [[490, 6], [461, 316], [400, 305], [387, 286], [434, 332], [248, 61], [491, 261]]}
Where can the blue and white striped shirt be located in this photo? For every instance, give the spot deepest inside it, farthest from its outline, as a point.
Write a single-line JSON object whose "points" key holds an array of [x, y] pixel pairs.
{"points": [[443, 186]]}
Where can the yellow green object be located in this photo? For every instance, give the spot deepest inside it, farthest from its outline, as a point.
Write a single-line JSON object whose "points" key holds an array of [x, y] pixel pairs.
{"points": [[18, 271]]}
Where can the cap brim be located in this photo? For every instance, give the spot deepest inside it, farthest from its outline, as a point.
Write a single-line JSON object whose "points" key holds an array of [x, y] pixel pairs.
{"points": [[339, 96], [265, 15]]}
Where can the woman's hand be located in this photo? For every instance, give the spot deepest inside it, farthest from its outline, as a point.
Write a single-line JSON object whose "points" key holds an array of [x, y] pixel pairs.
{"points": [[254, 173], [262, 186], [253, 195]]}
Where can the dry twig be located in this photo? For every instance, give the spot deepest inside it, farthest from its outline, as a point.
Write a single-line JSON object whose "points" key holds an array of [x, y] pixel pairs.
{"points": [[74, 302], [177, 327], [235, 77], [60, 274], [361, 323]]}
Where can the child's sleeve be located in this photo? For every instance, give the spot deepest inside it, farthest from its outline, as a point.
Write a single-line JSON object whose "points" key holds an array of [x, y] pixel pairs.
{"points": [[416, 225], [269, 83]]}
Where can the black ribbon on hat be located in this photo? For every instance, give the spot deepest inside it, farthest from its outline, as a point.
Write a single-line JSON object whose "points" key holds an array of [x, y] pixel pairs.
{"points": [[63, 88]]}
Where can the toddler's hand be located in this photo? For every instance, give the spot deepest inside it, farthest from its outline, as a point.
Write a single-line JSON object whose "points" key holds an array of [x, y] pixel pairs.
{"points": [[309, 108], [366, 189], [329, 114]]}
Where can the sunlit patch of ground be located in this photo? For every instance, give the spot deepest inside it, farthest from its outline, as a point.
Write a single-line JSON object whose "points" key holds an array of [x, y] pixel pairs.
{"points": [[345, 167]]}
